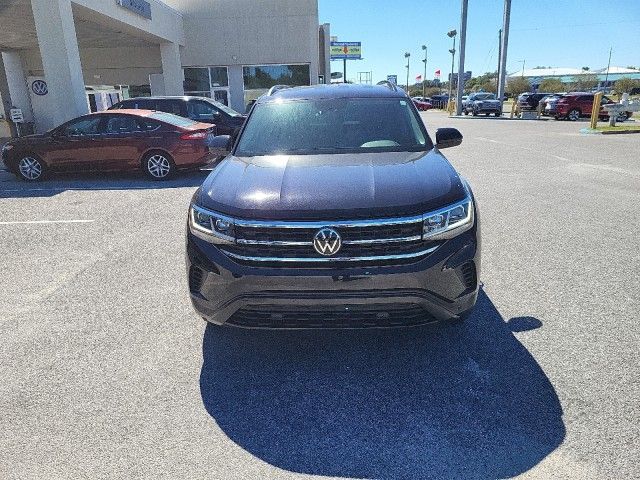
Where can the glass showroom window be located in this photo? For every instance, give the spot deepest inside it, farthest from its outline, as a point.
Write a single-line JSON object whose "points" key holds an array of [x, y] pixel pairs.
{"points": [[212, 82], [259, 78], [196, 82]]}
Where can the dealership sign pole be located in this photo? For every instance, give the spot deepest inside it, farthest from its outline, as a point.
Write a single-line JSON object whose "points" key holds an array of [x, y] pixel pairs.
{"points": [[346, 51]]}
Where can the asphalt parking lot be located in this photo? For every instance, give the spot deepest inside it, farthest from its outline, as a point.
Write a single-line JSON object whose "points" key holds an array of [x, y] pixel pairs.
{"points": [[108, 373]]}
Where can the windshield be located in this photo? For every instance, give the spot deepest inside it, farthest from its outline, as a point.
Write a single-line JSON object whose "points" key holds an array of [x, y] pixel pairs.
{"points": [[228, 110], [484, 96], [353, 125]]}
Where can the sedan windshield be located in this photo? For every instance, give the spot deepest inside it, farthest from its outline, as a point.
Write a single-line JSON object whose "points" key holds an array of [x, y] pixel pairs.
{"points": [[353, 125]]}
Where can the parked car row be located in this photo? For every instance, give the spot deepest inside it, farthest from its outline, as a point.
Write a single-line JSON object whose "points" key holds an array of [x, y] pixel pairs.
{"points": [[566, 106], [158, 135]]}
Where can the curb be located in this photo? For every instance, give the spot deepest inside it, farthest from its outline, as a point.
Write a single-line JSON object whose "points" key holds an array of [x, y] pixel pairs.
{"points": [[589, 131]]}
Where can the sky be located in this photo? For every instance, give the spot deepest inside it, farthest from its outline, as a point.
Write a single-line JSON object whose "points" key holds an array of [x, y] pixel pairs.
{"points": [[558, 33]]}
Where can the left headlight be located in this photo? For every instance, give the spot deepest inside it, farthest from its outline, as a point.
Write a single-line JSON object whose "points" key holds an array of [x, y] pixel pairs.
{"points": [[211, 226], [448, 222]]}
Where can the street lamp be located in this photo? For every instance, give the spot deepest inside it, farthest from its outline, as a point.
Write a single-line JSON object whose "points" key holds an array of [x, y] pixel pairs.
{"points": [[452, 34], [424, 79], [407, 55]]}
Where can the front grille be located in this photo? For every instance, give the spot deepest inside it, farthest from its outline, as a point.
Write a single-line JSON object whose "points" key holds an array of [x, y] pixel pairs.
{"points": [[196, 277], [365, 243], [350, 316]]}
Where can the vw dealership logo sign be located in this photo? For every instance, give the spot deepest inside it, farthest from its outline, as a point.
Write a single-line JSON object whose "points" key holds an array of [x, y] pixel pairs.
{"points": [[39, 87], [327, 241]]}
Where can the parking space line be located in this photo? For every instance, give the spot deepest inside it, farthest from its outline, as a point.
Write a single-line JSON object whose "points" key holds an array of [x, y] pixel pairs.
{"points": [[38, 222]]}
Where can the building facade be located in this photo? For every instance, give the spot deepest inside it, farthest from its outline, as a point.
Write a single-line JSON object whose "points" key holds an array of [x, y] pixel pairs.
{"points": [[64, 58]]}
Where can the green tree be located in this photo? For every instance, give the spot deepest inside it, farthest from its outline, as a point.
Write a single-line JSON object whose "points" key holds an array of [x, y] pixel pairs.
{"points": [[552, 85], [518, 85], [585, 69], [584, 82], [625, 84], [488, 86]]}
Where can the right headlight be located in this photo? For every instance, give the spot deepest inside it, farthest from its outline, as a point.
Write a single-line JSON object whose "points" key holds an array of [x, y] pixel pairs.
{"points": [[448, 222], [211, 226]]}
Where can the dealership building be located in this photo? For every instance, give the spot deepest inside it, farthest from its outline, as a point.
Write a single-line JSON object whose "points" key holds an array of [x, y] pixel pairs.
{"points": [[64, 58]]}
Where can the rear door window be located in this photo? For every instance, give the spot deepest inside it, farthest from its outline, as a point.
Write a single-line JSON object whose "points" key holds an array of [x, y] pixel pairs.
{"points": [[171, 106]]}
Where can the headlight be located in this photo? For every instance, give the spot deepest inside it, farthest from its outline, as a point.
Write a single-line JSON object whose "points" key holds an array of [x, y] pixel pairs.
{"points": [[211, 226], [449, 222]]}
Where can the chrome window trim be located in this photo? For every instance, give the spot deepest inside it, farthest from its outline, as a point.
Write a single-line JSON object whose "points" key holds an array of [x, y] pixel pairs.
{"points": [[403, 256]]}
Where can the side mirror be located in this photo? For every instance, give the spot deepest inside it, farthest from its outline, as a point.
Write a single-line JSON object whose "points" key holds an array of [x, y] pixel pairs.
{"points": [[448, 137], [221, 143]]}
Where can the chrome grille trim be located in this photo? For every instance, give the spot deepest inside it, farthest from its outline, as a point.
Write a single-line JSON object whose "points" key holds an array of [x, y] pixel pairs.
{"points": [[331, 259], [275, 224], [373, 241]]}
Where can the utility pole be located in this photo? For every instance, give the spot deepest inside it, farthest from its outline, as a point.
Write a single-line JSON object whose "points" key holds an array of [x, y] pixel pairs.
{"points": [[407, 55], [452, 34], [499, 58], [606, 77], [463, 41], [503, 50], [424, 79]]}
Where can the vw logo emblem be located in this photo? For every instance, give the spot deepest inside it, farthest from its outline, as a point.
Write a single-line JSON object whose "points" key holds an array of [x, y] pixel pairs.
{"points": [[39, 87], [327, 241]]}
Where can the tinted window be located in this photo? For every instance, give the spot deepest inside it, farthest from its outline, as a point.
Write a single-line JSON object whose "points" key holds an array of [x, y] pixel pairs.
{"points": [[83, 126], [201, 110], [121, 124], [170, 106], [333, 126]]}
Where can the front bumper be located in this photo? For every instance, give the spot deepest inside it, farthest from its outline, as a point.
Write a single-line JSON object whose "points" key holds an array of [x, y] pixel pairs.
{"points": [[441, 286]]}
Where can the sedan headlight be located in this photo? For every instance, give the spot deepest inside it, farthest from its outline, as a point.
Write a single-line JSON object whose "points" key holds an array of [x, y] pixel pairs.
{"points": [[448, 222], [211, 226]]}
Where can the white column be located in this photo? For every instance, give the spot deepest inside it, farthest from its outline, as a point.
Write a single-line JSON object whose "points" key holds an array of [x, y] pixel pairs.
{"points": [[172, 68], [60, 58], [17, 84]]}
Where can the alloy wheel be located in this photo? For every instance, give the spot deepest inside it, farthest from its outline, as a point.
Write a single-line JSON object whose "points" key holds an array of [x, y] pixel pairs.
{"points": [[574, 115], [158, 166], [30, 168]]}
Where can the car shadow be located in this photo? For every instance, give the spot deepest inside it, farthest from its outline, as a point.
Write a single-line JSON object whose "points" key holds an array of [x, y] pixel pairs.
{"points": [[442, 401], [12, 187]]}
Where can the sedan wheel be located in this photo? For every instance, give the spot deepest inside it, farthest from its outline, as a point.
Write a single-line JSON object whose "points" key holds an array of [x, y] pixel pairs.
{"points": [[30, 168], [574, 115], [159, 166]]}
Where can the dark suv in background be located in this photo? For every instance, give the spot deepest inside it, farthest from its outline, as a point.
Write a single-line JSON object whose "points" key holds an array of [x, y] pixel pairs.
{"points": [[198, 109], [334, 209], [530, 101]]}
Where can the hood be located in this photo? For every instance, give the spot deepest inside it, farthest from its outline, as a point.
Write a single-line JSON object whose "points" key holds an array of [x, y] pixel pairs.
{"points": [[342, 186]]}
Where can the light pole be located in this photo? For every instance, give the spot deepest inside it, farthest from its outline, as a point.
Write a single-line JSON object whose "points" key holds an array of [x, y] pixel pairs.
{"points": [[452, 34], [407, 55], [424, 79]]}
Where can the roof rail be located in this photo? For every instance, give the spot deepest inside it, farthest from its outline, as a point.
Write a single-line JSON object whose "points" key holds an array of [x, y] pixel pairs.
{"points": [[275, 88], [388, 84]]}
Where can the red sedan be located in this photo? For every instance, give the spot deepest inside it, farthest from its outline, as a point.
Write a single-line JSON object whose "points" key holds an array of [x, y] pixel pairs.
{"points": [[422, 105], [117, 140]]}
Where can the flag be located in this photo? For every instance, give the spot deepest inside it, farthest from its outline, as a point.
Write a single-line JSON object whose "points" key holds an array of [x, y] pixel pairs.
{"points": [[418, 78], [437, 73]]}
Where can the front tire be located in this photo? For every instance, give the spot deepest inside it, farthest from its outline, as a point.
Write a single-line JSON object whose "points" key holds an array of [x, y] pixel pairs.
{"points": [[158, 166], [573, 115], [30, 168]]}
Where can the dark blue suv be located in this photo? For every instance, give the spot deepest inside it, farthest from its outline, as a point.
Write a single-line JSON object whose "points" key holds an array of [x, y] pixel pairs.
{"points": [[334, 209]]}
